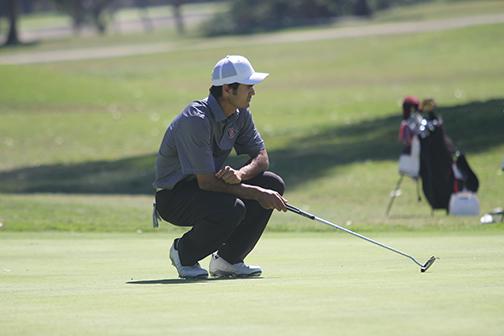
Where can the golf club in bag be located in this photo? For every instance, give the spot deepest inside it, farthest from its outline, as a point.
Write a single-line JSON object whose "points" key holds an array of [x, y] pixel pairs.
{"points": [[423, 267]]}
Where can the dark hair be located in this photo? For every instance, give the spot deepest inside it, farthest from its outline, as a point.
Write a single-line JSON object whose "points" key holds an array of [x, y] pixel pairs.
{"points": [[216, 91]]}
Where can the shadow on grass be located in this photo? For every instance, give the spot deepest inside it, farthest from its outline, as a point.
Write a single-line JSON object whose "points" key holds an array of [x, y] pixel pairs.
{"points": [[185, 281], [475, 127], [19, 45], [127, 176]]}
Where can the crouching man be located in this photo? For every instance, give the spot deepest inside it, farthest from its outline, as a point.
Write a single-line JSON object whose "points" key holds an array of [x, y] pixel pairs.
{"points": [[227, 209]]}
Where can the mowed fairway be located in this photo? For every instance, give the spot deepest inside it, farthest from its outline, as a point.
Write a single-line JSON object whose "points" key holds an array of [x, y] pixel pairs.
{"points": [[313, 284]]}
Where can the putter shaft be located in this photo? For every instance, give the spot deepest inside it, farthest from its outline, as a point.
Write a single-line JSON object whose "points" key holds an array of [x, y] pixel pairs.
{"points": [[423, 267]]}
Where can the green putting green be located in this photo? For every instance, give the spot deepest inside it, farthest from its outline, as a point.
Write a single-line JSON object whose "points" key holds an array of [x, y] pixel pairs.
{"points": [[313, 283]]}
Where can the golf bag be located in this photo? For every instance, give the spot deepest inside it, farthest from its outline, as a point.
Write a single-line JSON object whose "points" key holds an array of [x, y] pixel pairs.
{"points": [[441, 174], [448, 182]]}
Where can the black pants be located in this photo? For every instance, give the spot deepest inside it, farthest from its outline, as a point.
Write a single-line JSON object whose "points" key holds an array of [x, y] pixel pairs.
{"points": [[220, 221]]}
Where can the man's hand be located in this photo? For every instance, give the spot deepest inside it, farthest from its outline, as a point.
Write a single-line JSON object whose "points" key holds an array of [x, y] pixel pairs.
{"points": [[229, 175], [270, 199]]}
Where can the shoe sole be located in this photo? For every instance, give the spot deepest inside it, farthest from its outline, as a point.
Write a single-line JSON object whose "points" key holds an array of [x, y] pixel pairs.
{"points": [[222, 274], [199, 277]]}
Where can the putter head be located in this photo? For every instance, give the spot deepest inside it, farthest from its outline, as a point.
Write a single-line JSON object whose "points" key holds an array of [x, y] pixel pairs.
{"points": [[428, 264]]}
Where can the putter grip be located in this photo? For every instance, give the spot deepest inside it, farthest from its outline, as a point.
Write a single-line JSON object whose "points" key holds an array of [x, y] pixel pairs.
{"points": [[300, 212]]}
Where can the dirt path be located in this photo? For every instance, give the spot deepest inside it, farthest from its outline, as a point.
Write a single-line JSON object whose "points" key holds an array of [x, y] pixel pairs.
{"points": [[285, 37]]}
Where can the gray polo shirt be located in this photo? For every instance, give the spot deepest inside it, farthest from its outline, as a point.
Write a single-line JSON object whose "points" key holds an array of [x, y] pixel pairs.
{"points": [[200, 139]]}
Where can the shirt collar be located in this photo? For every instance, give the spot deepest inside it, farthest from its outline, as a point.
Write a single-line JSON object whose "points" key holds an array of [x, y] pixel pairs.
{"points": [[217, 110]]}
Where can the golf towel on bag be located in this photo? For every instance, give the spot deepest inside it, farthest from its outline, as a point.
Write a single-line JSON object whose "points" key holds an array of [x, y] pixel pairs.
{"points": [[409, 163]]}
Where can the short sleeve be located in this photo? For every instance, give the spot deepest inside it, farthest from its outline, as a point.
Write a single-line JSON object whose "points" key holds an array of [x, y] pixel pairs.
{"points": [[192, 140], [249, 140]]}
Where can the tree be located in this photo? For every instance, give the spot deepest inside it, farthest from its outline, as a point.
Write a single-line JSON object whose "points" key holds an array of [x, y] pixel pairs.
{"points": [[142, 6], [12, 14], [83, 11], [177, 15], [77, 12], [97, 9], [246, 16], [361, 8]]}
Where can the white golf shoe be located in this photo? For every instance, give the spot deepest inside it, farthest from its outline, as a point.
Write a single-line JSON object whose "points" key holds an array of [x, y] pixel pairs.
{"points": [[186, 272], [221, 268]]}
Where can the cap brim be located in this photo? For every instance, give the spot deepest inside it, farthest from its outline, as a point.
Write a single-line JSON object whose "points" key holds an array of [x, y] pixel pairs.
{"points": [[256, 78]]}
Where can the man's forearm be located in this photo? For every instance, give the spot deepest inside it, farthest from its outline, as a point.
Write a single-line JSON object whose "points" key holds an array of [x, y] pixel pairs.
{"points": [[257, 165], [268, 199], [241, 190]]}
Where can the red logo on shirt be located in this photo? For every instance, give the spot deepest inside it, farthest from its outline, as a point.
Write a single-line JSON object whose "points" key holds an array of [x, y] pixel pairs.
{"points": [[231, 132]]}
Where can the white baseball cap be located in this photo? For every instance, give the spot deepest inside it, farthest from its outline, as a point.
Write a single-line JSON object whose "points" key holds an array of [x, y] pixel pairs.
{"points": [[236, 69]]}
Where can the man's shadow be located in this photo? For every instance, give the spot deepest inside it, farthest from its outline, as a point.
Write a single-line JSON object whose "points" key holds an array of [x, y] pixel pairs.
{"points": [[186, 281]]}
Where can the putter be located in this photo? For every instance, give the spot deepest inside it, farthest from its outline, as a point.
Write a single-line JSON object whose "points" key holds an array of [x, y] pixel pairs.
{"points": [[423, 267]]}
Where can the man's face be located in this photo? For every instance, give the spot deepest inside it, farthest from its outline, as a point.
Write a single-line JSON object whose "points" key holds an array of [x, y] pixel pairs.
{"points": [[240, 98]]}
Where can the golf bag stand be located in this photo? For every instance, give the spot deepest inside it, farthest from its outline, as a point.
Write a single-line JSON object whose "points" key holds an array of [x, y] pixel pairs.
{"points": [[409, 165], [397, 192]]}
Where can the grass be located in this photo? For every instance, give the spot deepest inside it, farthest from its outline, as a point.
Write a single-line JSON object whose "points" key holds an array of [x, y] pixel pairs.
{"points": [[328, 113], [441, 9], [121, 284]]}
